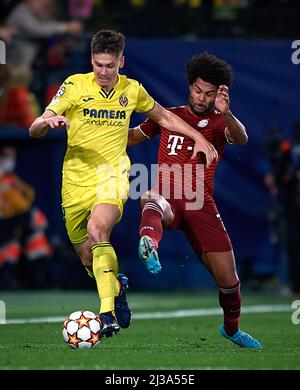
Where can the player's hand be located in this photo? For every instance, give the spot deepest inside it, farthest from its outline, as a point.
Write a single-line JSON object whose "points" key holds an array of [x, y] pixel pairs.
{"points": [[222, 100], [57, 121], [204, 146]]}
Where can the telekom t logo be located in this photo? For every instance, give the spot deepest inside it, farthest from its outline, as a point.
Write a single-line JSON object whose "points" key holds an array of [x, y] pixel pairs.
{"points": [[174, 142]]}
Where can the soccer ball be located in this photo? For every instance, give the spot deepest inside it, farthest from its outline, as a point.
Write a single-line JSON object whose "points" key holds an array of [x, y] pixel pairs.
{"points": [[81, 330]]}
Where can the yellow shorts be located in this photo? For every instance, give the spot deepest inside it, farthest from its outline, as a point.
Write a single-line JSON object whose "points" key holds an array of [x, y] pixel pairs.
{"points": [[78, 202]]}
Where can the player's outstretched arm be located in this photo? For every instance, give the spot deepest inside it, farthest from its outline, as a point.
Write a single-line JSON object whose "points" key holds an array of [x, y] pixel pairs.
{"points": [[47, 120], [235, 130], [172, 122]]}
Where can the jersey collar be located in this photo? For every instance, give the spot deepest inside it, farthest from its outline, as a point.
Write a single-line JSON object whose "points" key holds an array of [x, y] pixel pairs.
{"points": [[110, 94]]}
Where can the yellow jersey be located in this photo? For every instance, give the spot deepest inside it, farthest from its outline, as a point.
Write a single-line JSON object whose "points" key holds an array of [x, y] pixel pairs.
{"points": [[99, 123]]}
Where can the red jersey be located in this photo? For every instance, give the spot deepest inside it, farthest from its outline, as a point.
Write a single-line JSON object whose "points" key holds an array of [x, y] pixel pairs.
{"points": [[175, 151], [16, 109]]}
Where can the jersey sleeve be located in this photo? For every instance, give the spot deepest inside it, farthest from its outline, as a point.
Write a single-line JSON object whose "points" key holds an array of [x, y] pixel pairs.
{"points": [[144, 101], [150, 128], [65, 97]]}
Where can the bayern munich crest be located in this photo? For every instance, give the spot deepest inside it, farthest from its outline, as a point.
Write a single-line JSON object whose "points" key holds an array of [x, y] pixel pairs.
{"points": [[203, 123], [123, 100]]}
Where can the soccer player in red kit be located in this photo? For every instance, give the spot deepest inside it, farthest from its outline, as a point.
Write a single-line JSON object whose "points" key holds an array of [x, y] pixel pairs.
{"points": [[183, 195]]}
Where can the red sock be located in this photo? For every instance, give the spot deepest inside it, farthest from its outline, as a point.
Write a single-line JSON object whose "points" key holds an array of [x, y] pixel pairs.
{"points": [[231, 301], [151, 224]]}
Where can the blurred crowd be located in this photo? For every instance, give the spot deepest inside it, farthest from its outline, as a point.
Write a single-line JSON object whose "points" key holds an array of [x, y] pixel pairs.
{"points": [[23, 240], [36, 41], [46, 40], [140, 17], [30, 258], [282, 180]]}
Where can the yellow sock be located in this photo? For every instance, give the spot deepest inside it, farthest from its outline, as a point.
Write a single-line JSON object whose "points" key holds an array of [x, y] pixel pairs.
{"points": [[105, 269]]}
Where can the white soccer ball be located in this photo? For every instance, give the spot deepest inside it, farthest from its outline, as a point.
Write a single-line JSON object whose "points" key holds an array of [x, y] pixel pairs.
{"points": [[81, 330]]}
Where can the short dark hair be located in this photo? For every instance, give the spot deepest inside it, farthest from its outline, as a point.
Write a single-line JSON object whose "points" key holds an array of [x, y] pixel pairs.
{"points": [[108, 41], [209, 68]]}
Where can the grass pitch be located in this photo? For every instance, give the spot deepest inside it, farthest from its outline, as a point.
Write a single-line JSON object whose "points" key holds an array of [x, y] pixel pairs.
{"points": [[186, 341]]}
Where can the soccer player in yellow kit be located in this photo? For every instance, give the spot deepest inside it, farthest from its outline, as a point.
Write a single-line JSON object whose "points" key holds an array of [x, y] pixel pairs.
{"points": [[95, 108]]}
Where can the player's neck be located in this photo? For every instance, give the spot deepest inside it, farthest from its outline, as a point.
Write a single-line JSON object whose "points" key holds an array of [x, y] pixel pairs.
{"points": [[108, 88]]}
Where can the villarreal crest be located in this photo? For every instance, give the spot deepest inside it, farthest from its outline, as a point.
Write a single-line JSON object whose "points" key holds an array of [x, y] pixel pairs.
{"points": [[123, 100]]}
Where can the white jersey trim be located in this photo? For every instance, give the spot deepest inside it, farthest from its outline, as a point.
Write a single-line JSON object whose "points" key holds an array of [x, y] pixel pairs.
{"points": [[143, 132]]}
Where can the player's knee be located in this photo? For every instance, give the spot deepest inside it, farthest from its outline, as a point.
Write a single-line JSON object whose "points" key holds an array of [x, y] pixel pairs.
{"points": [[145, 198], [156, 198], [228, 282], [98, 231]]}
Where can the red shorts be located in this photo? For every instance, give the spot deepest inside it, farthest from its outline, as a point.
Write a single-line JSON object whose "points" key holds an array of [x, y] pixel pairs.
{"points": [[203, 228]]}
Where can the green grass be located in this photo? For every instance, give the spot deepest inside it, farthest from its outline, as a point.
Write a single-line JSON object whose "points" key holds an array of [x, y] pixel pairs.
{"points": [[174, 343]]}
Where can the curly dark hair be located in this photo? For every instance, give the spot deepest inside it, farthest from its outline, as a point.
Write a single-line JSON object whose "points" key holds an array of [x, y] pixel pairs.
{"points": [[108, 41], [209, 68]]}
